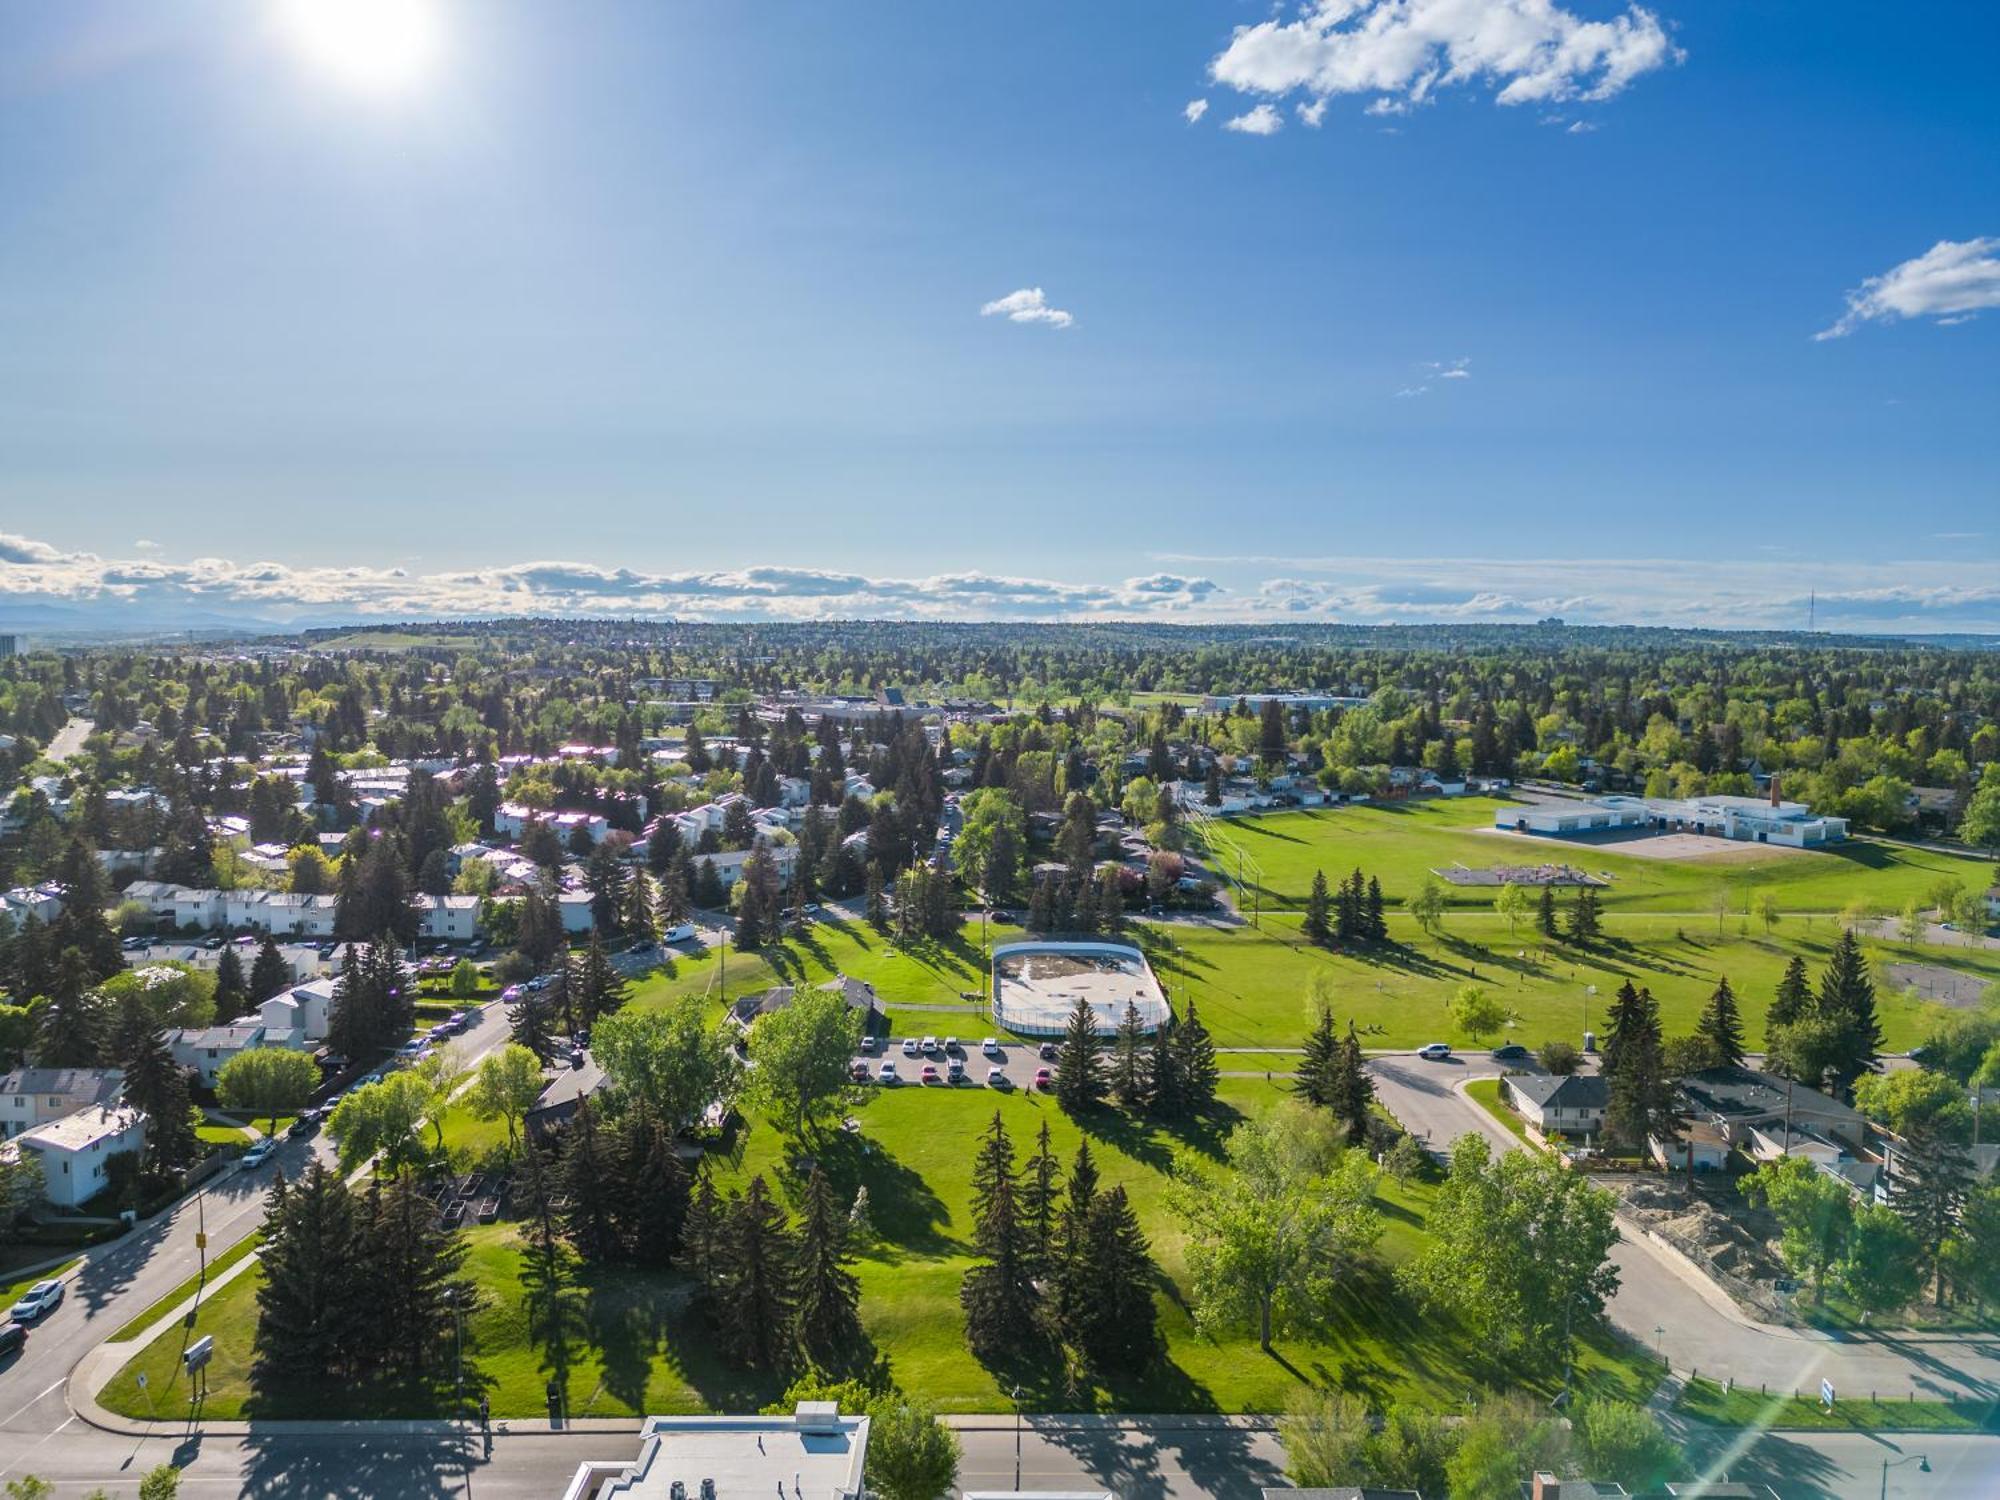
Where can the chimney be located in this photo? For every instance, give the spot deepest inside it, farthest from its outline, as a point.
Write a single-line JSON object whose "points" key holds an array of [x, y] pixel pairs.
{"points": [[1774, 789], [1545, 1487]]}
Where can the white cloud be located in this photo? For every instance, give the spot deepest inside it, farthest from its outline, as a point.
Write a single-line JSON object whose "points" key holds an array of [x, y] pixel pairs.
{"points": [[1263, 120], [1526, 51], [1312, 113], [1457, 369], [1413, 390], [1196, 108], [1028, 305], [1581, 127], [1949, 282]]}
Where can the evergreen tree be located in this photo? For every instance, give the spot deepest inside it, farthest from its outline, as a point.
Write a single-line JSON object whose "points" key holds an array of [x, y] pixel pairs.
{"points": [[1129, 1080], [1350, 1090], [1196, 1057], [590, 1175], [314, 1303], [652, 1200], [1041, 1194], [1847, 998], [1314, 1080], [70, 1033], [1168, 1096], [1721, 1025], [1583, 918], [755, 1306], [996, 1294], [638, 921], [231, 992], [1116, 1325], [708, 892], [1079, 1072], [413, 1267], [827, 1291], [1376, 927], [1545, 912], [1794, 1000], [155, 1084], [1641, 1102], [675, 903], [1316, 927], [600, 989], [702, 1235], [1073, 1289], [270, 974], [1933, 1173], [532, 1025]]}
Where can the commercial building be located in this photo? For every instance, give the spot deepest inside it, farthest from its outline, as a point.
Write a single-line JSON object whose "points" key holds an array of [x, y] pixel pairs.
{"points": [[811, 1453], [1752, 819]]}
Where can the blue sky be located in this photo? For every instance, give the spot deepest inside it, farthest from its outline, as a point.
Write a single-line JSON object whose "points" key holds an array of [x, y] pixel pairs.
{"points": [[687, 298]]}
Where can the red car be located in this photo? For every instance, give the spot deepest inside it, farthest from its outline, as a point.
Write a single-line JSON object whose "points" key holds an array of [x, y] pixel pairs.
{"points": [[930, 1073], [1044, 1078]]}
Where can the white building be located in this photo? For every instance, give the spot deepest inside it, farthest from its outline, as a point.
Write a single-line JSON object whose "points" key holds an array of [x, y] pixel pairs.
{"points": [[298, 1017], [451, 919], [812, 1453], [30, 1097], [513, 819], [42, 902], [208, 1051], [1752, 819], [74, 1150]]}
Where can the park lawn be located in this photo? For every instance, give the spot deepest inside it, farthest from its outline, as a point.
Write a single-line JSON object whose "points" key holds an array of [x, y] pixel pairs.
{"points": [[465, 1133], [236, 1252], [636, 1351], [1252, 984], [1704, 1401], [214, 1132], [1485, 1092], [1401, 842]]}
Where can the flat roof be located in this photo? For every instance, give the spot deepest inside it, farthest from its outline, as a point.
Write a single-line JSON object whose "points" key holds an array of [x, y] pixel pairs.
{"points": [[78, 1131], [1036, 985], [811, 1454]]}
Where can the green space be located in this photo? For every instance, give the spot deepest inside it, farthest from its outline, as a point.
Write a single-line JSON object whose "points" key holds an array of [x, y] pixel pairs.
{"points": [[1401, 842], [236, 1252], [638, 1351], [1879, 1411], [1485, 1092], [215, 1131], [1252, 983]]}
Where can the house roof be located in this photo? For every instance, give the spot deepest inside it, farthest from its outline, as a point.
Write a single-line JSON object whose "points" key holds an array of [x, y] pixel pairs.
{"points": [[99, 1085], [1577, 1091], [82, 1130], [1739, 1093]]}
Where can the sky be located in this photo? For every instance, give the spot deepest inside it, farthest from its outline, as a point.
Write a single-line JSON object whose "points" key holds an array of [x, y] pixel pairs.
{"points": [[1361, 310]]}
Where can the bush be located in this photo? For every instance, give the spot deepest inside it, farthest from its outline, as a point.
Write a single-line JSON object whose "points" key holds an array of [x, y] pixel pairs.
{"points": [[1559, 1058]]}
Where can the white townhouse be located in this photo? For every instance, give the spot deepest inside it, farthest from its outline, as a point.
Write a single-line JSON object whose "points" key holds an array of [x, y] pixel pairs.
{"points": [[30, 1097], [76, 1150]]}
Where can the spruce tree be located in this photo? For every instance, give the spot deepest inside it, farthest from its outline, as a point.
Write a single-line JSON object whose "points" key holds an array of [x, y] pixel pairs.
{"points": [[600, 988], [590, 1178], [1079, 1069], [1847, 998], [638, 919], [269, 974], [1794, 1000], [1199, 1075], [1316, 926], [412, 1272], [315, 1302], [1641, 1096], [231, 991], [70, 1032], [652, 1202], [532, 1025], [755, 1307], [1376, 927], [1583, 918], [701, 1241], [1129, 1078], [996, 1294], [1116, 1327], [1721, 1025], [992, 1167], [1933, 1173], [675, 903], [1040, 1195], [1314, 1080], [1545, 912], [159, 1087], [1168, 1096], [1350, 1090], [1070, 1273], [829, 1329]]}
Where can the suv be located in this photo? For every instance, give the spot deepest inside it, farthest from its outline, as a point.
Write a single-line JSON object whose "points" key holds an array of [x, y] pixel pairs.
{"points": [[42, 1298], [13, 1338], [1435, 1051]]}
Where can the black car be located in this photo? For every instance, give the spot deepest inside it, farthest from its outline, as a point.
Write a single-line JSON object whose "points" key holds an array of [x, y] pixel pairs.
{"points": [[1511, 1052], [1046, 1052], [304, 1125], [13, 1338]]}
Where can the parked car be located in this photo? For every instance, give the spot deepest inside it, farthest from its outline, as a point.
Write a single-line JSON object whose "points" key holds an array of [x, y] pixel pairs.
{"points": [[954, 1071], [858, 1071], [909, 1046], [930, 1074], [929, 1045], [1434, 1051], [256, 1156], [1511, 1052], [868, 1044], [888, 1073], [1044, 1078], [13, 1338], [991, 1046], [41, 1299], [1046, 1052], [303, 1126], [996, 1078], [951, 1046]]}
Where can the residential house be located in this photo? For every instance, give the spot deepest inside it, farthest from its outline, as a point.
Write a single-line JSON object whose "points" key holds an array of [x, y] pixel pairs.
{"points": [[1572, 1107], [1709, 1144], [450, 919], [42, 902], [75, 1150], [297, 1018], [1740, 1100], [205, 1052], [30, 1097]]}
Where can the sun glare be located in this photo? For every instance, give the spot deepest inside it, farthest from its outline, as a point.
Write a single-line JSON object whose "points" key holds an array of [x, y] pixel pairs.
{"points": [[373, 44]]}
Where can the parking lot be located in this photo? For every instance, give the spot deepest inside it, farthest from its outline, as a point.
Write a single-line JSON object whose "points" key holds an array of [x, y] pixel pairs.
{"points": [[1017, 1059]]}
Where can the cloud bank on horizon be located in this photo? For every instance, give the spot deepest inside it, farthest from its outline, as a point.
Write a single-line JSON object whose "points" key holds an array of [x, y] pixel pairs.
{"points": [[152, 592]]}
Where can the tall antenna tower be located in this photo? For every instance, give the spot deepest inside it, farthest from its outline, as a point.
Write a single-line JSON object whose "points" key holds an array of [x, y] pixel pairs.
{"points": [[1812, 611]]}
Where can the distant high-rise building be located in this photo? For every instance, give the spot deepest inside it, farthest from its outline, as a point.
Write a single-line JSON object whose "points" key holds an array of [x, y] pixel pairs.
{"points": [[8, 646]]}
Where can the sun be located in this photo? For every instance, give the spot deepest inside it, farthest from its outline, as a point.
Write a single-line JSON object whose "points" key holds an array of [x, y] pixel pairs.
{"points": [[371, 44]]}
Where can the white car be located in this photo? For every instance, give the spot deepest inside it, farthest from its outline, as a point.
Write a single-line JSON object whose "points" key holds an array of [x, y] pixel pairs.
{"points": [[1434, 1052], [930, 1045], [909, 1046], [991, 1046], [40, 1299], [996, 1078], [888, 1073], [254, 1157], [951, 1046]]}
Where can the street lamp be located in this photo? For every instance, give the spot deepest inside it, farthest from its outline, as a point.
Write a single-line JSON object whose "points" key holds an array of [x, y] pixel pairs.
{"points": [[1923, 1467], [1017, 1439]]}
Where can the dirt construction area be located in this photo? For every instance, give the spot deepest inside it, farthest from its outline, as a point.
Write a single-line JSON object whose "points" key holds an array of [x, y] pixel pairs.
{"points": [[1689, 848]]}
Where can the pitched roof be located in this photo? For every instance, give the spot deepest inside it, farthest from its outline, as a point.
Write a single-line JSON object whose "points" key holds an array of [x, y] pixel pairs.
{"points": [[100, 1085], [1577, 1091], [1739, 1092]]}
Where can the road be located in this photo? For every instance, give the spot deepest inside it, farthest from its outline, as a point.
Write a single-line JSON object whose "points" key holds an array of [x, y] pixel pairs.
{"points": [[1664, 1304], [69, 739]]}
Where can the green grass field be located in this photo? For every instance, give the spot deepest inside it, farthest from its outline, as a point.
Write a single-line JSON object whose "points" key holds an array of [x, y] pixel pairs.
{"points": [[1879, 1411], [1400, 842], [640, 1353], [221, 1263], [1485, 1092], [1253, 985]]}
